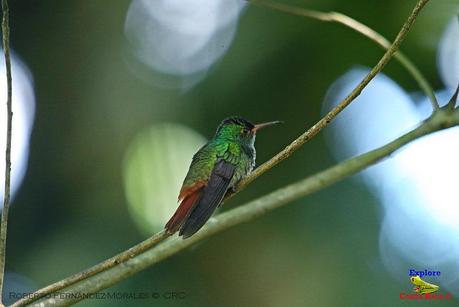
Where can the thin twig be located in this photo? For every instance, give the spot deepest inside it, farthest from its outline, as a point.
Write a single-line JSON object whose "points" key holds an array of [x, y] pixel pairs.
{"points": [[441, 119], [359, 28], [6, 198], [289, 150]]}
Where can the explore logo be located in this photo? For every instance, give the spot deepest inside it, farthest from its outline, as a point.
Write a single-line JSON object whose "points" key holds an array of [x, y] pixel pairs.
{"points": [[423, 287], [424, 290]]}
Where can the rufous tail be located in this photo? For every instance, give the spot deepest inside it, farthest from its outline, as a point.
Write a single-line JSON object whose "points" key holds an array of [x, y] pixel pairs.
{"points": [[183, 211]]}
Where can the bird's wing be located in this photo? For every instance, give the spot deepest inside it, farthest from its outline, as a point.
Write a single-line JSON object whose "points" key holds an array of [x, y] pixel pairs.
{"points": [[212, 195], [193, 186]]}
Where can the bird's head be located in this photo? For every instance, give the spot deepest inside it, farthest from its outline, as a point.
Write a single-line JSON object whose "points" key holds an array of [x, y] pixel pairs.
{"points": [[239, 129]]}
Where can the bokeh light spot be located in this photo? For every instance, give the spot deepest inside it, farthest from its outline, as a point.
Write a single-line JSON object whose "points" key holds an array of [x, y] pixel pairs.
{"points": [[23, 102], [448, 54], [154, 168], [415, 186], [181, 37]]}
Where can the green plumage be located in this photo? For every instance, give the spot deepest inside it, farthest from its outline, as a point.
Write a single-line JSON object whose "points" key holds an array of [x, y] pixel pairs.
{"points": [[215, 169], [229, 145]]}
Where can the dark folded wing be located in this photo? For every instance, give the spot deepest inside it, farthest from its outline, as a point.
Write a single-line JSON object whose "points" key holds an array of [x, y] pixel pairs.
{"points": [[212, 195]]}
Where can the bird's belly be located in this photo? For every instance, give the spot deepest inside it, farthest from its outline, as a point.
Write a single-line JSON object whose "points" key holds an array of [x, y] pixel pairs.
{"points": [[242, 171]]}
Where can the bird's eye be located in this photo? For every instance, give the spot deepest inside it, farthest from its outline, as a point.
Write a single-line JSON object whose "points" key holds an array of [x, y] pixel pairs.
{"points": [[245, 131]]}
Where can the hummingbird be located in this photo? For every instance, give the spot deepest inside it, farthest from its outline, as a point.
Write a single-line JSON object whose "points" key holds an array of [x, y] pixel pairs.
{"points": [[215, 170]]}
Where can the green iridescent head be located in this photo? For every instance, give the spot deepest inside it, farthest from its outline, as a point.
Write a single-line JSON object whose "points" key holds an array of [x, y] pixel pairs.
{"points": [[239, 129]]}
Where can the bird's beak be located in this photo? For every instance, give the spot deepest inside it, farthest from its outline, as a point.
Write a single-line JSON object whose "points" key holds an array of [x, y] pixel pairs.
{"points": [[263, 125]]}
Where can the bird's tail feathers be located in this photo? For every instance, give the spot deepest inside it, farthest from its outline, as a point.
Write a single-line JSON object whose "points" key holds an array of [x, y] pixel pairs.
{"points": [[183, 211]]}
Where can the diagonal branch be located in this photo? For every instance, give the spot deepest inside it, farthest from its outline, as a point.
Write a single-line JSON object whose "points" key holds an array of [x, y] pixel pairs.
{"points": [[314, 130], [103, 266], [285, 153], [359, 28], [441, 119], [6, 197]]}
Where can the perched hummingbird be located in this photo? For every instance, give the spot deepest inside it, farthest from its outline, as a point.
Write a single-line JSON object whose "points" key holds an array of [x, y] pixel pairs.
{"points": [[215, 170]]}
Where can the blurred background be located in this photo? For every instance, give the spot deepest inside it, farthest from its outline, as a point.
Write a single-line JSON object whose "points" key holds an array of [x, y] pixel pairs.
{"points": [[111, 100]]}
